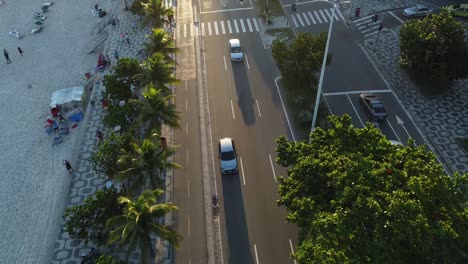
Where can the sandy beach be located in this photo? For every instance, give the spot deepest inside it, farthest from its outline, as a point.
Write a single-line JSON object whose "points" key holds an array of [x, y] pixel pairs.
{"points": [[34, 183]]}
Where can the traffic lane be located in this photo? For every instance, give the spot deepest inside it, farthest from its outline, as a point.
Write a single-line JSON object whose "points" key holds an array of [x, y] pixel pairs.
{"points": [[188, 188], [341, 104]]}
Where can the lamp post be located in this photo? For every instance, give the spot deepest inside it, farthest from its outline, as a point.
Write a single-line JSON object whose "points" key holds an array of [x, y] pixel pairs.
{"points": [[322, 72]]}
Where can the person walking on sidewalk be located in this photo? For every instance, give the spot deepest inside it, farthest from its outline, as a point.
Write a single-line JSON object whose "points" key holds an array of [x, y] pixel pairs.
{"points": [[100, 136], [68, 166], [116, 55], [20, 51], [7, 56]]}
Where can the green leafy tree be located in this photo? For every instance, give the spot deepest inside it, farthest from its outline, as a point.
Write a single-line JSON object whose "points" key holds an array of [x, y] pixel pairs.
{"points": [[144, 163], [87, 221], [434, 47], [157, 109], [160, 41], [106, 259], [126, 69], [117, 115], [108, 152], [358, 199], [137, 7], [156, 13], [139, 221], [116, 90], [159, 71], [300, 61]]}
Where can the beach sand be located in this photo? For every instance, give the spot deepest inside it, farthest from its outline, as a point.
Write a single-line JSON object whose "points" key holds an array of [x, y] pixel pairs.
{"points": [[33, 181]]}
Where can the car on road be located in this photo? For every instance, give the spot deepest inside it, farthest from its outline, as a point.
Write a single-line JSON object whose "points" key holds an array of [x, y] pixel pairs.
{"points": [[419, 10], [227, 156], [235, 50], [373, 106], [458, 10]]}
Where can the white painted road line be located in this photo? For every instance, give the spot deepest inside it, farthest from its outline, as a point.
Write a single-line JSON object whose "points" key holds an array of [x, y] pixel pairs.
{"points": [[355, 110], [317, 16], [294, 21], [235, 26], [256, 254], [300, 20], [292, 249], [186, 128], [232, 109], [186, 105], [256, 25], [249, 25], [225, 65], [394, 132], [258, 108], [341, 15], [185, 30], [363, 18], [311, 17], [242, 25], [203, 29], [209, 28], [272, 167], [242, 170], [397, 18], [247, 62], [222, 27], [188, 157], [323, 16], [357, 92], [216, 28], [370, 34], [284, 109], [229, 26], [335, 16], [306, 19]]}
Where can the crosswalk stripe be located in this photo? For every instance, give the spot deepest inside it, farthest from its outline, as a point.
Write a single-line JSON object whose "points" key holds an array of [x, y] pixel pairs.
{"points": [[216, 27], [203, 29], [242, 24], [255, 24], [363, 22], [369, 29], [336, 12], [185, 30], [294, 21], [209, 28], [249, 25], [311, 17], [328, 14], [222, 27], [318, 17], [300, 20], [370, 34], [341, 15], [235, 26], [306, 19], [229, 26], [195, 30], [323, 16]]}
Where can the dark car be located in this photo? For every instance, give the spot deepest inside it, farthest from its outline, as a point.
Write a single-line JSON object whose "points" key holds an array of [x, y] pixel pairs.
{"points": [[373, 106]]}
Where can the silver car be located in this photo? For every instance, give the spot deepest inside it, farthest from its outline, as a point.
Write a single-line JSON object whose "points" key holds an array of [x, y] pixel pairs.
{"points": [[227, 156], [235, 50], [419, 10]]}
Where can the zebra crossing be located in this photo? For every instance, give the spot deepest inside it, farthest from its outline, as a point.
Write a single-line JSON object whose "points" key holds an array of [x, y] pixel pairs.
{"points": [[315, 17], [214, 28], [366, 26]]}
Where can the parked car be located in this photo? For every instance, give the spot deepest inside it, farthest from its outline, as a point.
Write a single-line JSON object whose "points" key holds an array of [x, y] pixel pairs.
{"points": [[227, 156], [373, 106], [235, 50], [419, 10], [458, 10]]}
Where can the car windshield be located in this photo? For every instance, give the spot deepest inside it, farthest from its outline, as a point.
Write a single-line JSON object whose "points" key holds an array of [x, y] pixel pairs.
{"points": [[235, 49], [379, 109], [229, 155]]}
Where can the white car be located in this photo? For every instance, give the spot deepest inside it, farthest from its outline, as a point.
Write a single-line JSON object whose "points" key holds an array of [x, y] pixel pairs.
{"points": [[419, 10], [235, 50], [227, 156]]}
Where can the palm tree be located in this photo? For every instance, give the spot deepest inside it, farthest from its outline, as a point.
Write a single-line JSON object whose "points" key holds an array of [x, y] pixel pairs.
{"points": [[159, 71], [157, 108], [144, 163], [138, 222], [160, 41], [156, 13]]}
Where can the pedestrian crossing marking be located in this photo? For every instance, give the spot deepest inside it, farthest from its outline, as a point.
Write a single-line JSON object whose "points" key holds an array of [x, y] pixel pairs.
{"points": [[229, 26], [294, 21], [323, 16], [235, 25], [318, 17], [249, 25], [209, 28], [242, 25], [306, 19], [311, 17], [185, 30], [216, 28], [203, 29], [256, 25], [222, 27], [330, 14], [195, 30], [341, 15], [300, 20]]}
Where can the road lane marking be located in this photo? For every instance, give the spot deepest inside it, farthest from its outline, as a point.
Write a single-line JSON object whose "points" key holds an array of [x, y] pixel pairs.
{"points": [[394, 132], [222, 27], [311, 17], [258, 108], [209, 28], [318, 17], [242, 24], [232, 109], [294, 21], [396, 17], [323, 16], [235, 26], [186, 128], [306, 19], [203, 29], [256, 25], [256, 254], [249, 25], [185, 30], [186, 105], [216, 27], [292, 249], [363, 18], [272, 167], [355, 110], [186, 85], [357, 92], [247, 61], [229, 26], [284, 109], [225, 65], [300, 20], [341, 15], [370, 34], [242, 170]]}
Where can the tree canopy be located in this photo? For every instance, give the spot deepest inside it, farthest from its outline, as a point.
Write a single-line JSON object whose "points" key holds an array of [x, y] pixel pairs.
{"points": [[434, 47], [359, 199]]}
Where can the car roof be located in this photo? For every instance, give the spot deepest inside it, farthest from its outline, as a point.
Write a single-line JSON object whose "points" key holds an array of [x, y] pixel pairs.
{"points": [[234, 43], [225, 144], [422, 6]]}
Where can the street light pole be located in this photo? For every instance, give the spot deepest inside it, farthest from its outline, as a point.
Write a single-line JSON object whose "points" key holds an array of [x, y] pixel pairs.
{"points": [[322, 72]]}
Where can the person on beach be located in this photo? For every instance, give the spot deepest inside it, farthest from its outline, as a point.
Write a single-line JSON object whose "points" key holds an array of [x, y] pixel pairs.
{"points": [[128, 40], [116, 55], [68, 166], [20, 51], [7, 56], [61, 118], [100, 136]]}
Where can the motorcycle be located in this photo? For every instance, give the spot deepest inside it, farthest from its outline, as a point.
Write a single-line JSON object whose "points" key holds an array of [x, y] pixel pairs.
{"points": [[13, 32], [36, 29], [39, 16], [38, 22]]}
